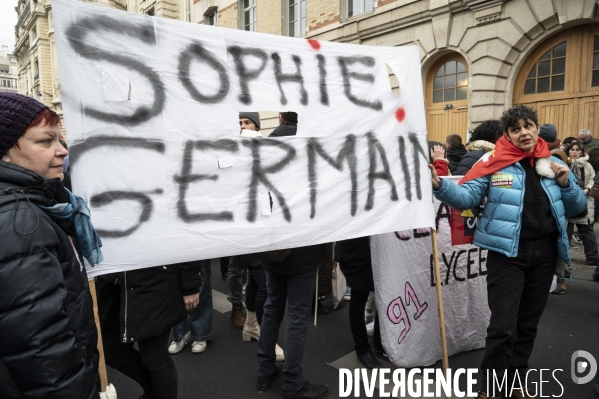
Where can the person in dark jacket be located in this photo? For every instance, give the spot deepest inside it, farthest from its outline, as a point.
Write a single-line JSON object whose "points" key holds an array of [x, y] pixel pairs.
{"points": [[455, 151], [585, 138], [354, 259], [141, 306], [483, 140], [288, 126], [290, 282], [198, 324], [48, 338]]}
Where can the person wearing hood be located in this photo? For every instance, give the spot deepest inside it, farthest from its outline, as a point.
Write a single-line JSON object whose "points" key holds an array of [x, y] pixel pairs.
{"points": [[455, 151], [523, 226], [483, 140], [48, 338], [585, 175]]}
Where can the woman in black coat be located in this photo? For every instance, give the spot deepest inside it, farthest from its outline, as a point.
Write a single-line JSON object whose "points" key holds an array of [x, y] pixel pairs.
{"points": [[48, 336], [141, 306]]}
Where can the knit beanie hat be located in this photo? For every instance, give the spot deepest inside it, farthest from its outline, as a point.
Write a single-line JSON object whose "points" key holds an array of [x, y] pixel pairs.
{"points": [[548, 132], [16, 114], [253, 116]]}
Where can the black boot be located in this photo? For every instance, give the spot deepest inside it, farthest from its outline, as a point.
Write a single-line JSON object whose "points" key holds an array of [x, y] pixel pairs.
{"points": [[368, 360], [263, 383], [308, 391]]}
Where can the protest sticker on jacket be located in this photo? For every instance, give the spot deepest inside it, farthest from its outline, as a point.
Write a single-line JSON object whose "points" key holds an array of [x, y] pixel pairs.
{"points": [[463, 224], [406, 295], [151, 113]]}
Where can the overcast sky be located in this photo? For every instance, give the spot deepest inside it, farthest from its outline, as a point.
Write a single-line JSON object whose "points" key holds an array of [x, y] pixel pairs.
{"points": [[8, 20]]}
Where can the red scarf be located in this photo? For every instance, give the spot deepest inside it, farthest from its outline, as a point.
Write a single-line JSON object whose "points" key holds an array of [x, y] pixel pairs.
{"points": [[505, 154]]}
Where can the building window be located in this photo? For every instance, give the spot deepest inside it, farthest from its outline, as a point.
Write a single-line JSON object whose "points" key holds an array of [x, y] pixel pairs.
{"points": [[150, 12], [357, 7], [33, 34], [249, 15], [211, 16], [595, 81], [450, 82], [4, 69], [36, 70], [296, 17], [549, 73]]}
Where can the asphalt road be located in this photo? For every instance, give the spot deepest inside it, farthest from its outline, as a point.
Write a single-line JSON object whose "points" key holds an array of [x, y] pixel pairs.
{"points": [[227, 369]]}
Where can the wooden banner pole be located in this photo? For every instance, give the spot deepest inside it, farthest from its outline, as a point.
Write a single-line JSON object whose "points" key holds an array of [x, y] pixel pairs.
{"points": [[440, 303], [102, 362]]}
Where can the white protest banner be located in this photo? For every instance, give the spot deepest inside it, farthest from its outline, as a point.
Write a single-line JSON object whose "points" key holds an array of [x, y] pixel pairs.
{"points": [[151, 112], [406, 295]]}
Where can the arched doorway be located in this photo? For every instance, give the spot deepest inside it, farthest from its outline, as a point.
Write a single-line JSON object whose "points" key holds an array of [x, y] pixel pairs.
{"points": [[447, 98], [561, 81]]}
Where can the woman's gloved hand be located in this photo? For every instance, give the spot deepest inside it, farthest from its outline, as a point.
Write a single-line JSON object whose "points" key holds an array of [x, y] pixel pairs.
{"points": [[110, 392]]}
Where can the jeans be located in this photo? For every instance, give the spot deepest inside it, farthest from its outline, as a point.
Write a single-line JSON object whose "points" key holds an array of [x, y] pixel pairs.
{"points": [[255, 292], [234, 282], [151, 366], [517, 293], [199, 319], [357, 304], [296, 291], [587, 235]]}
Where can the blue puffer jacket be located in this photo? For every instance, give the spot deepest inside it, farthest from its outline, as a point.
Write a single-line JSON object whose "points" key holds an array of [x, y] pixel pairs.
{"points": [[499, 228]]}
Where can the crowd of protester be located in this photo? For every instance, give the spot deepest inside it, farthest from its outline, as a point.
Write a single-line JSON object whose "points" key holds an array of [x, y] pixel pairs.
{"points": [[46, 231]]}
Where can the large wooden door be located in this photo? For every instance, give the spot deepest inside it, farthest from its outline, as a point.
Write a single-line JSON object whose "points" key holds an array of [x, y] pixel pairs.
{"points": [[589, 114], [447, 98], [561, 81]]}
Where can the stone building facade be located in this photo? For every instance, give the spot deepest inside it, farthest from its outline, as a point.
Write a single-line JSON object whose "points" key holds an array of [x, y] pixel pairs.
{"points": [[8, 71], [478, 57], [35, 45]]}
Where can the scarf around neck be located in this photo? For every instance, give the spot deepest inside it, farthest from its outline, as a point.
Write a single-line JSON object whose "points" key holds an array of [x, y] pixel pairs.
{"points": [[504, 154], [76, 209]]}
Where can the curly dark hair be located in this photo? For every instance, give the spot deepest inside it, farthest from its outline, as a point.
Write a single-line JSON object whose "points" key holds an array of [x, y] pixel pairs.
{"points": [[490, 131], [514, 115], [594, 158], [577, 144], [568, 140]]}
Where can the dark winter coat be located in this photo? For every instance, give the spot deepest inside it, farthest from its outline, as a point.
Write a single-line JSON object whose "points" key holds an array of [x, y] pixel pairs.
{"points": [[48, 337], [304, 258], [151, 299], [454, 155], [354, 259], [286, 129], [300, 260], [250, 261], [476, 149], [590, 145], [468, 162]]}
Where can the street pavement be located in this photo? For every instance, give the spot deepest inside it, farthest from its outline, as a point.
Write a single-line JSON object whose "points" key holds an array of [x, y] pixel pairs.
{"points": [[227, 369]]}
